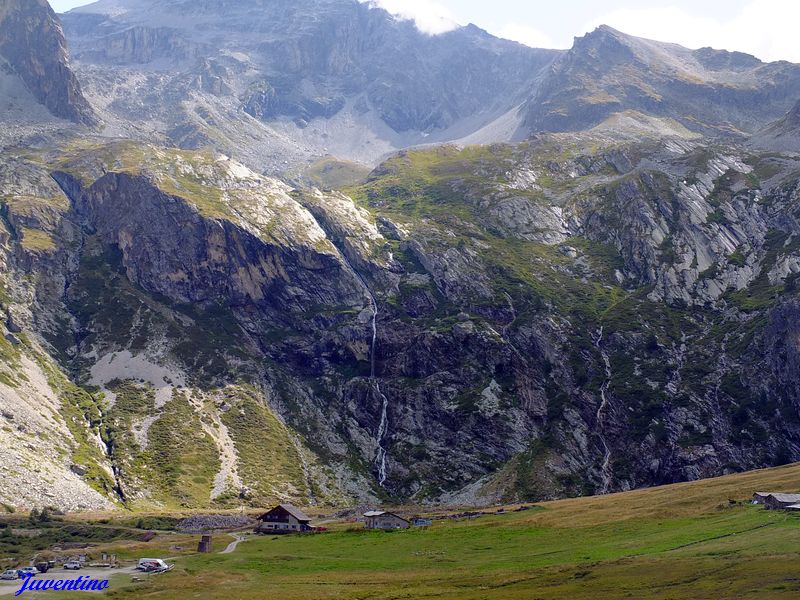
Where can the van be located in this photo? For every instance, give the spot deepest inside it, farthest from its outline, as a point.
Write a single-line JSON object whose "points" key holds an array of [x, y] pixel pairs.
{"points": [[153, 565]]}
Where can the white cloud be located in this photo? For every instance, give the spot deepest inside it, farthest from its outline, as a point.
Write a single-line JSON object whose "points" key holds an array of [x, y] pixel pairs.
{"points": [[765, 28], [430, 17], [530, 36]]}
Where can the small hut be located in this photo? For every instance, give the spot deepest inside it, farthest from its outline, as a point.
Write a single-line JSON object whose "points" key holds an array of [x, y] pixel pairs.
{"points": [[760, 497], [379, 519]]}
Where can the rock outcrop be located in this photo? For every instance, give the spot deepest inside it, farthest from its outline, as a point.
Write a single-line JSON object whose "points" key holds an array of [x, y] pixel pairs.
{"points": [[33, 46]]}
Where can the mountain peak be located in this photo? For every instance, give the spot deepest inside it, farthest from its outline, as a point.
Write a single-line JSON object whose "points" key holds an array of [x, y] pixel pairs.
{"points": [[602, 33], [608, 30], [603, 46], [608, 72]]}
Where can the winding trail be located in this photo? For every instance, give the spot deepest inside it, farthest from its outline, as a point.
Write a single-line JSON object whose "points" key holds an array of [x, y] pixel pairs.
{"points": [[606, 473], [239, 537]]}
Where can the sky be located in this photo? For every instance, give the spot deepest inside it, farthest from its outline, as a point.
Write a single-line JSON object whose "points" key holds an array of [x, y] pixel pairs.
{"points": [[765, 28]]}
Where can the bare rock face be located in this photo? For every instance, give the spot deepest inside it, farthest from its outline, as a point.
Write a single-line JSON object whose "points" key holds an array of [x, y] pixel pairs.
{"points": [[782, 135], [309, 58], [215, 260], [33, 44], [302, 69], [567, 316]]}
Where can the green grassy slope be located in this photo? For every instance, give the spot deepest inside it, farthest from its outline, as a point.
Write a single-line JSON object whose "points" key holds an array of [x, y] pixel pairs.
{"points": [[687, 541]]}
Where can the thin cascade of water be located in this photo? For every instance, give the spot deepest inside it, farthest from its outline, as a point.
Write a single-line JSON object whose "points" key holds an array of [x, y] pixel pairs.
{"points": [[383, 427], [600, 416]]}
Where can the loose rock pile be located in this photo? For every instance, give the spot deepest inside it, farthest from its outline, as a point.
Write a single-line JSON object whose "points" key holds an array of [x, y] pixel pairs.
{"points": [[202, 523]]}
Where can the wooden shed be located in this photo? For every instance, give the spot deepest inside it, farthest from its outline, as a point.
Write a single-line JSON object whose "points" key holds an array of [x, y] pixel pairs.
{"points": [[760, 497], [284, 518], [378, 519]]}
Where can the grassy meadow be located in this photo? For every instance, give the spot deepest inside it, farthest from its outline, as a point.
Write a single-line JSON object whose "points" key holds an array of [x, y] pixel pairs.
{"points": [[688, 541]]}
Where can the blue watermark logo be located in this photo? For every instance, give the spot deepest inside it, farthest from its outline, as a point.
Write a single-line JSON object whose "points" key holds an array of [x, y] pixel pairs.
{"points": [[80, 584]]}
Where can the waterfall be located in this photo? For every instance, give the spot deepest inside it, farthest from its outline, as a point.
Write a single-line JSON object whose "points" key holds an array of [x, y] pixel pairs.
{"points": [[383, 427], [380, 459], [607, 475]]}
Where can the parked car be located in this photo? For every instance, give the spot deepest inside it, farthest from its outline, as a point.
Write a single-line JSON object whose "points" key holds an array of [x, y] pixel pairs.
{"points": [[27, 572], [153, 565], [10, 575], [43, 567], [72, 565]]}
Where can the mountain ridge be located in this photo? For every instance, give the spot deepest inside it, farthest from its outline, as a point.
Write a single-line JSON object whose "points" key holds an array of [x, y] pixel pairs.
{"points": [[351, 105], [311, 79], [713, 92]]}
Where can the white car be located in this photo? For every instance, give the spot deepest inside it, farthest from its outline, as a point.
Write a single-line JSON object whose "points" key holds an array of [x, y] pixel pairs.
{"points": [[72, 565], [153, 565], [10, 575]]}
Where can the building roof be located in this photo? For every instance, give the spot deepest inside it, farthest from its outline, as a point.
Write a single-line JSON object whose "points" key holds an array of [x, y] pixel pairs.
{"points": [[292, 510], [378, 513], [794, 507], [301, 516], [793, 498]]}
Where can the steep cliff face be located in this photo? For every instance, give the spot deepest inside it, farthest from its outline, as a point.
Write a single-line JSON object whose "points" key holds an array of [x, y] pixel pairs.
{"points": [[33, 46], [575, 314], [308, 59], [150, 345], [48, 431], [623, 337]]}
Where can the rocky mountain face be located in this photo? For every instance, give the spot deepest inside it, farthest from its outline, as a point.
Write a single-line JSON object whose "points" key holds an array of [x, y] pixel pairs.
{"points": [[571, 315], [713, 92], [156, 279], [609, 305], [282, 84], [32, 47], [782, 135], [303, 79]]}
